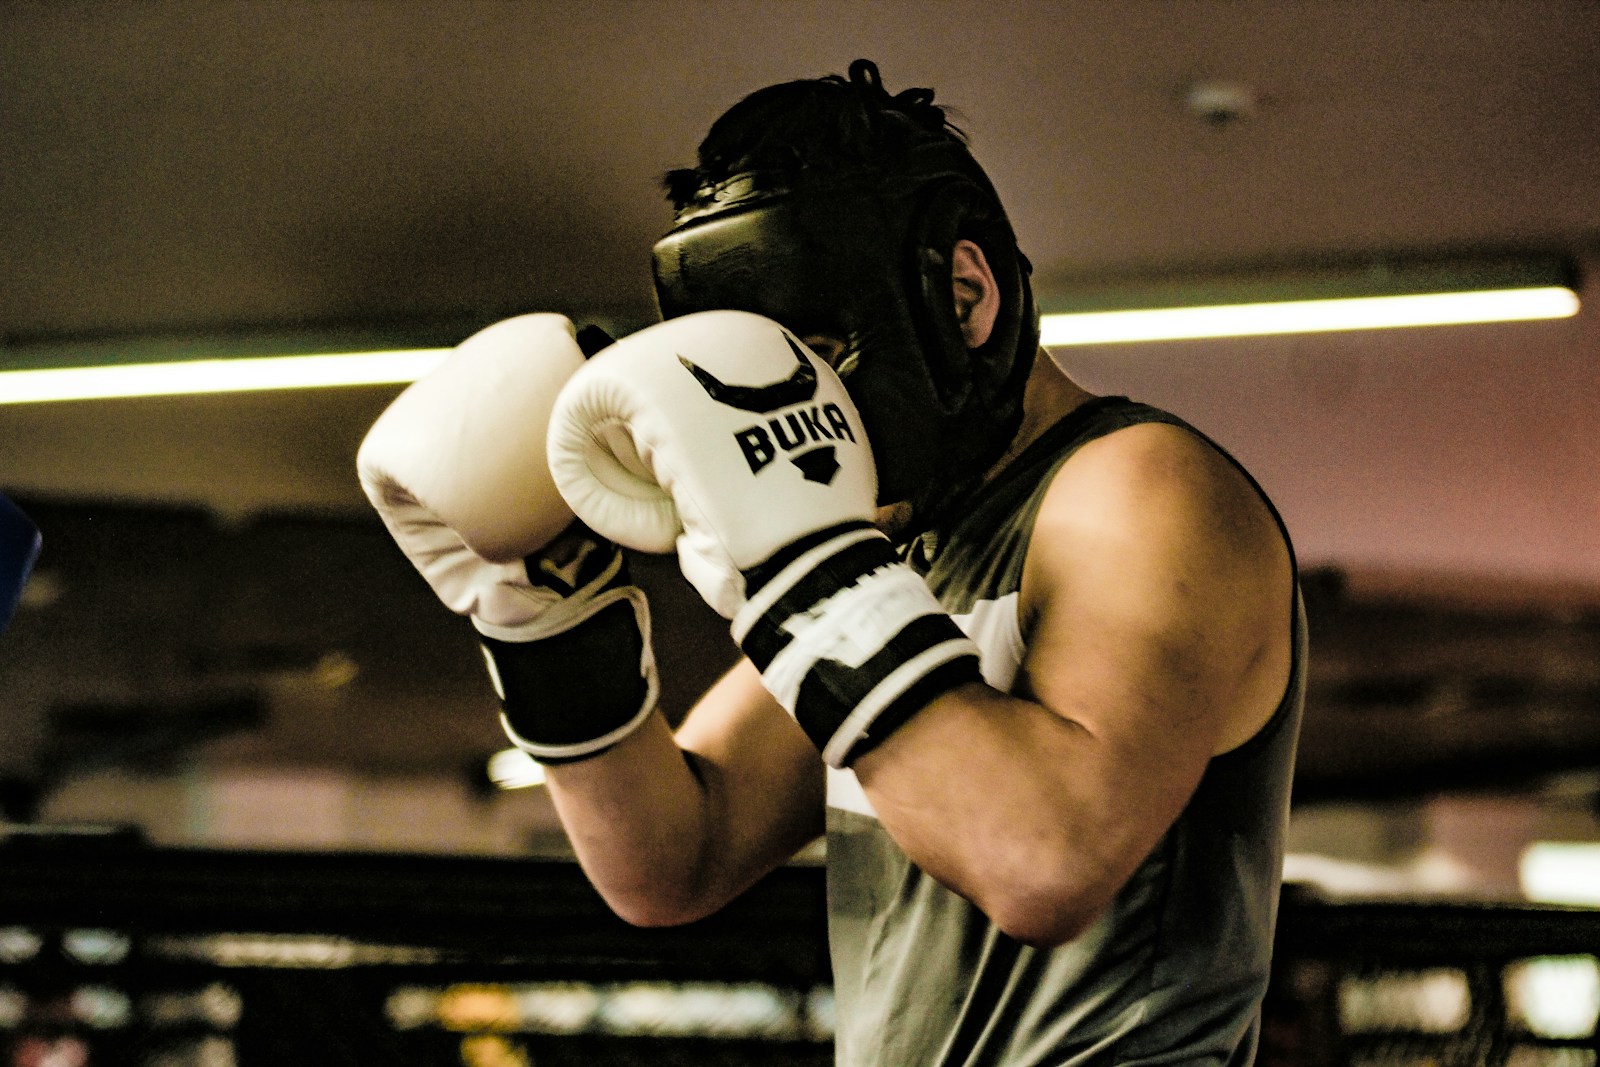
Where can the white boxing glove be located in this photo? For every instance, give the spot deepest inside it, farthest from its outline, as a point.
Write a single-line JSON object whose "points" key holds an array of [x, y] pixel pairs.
{"points": [[721, 435], [456, 469], [722, 414]]}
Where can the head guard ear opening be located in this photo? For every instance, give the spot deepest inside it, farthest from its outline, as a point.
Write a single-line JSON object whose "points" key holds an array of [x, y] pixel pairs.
{"points": [[984, 383]]}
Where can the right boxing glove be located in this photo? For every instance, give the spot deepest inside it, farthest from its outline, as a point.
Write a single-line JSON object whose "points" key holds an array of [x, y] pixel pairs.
{"points": [[456, 469], [720, 434]]}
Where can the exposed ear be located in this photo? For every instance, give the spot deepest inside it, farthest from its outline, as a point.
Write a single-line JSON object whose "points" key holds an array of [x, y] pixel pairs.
{"points": [[977, 297]]}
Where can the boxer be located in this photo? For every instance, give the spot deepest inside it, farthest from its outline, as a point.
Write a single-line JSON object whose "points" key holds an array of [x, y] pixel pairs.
{"points": [[1032, 659]]}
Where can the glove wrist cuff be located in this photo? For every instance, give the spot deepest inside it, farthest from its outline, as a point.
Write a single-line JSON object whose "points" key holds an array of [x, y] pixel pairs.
{"points": [[567, 695], [851, 641]]}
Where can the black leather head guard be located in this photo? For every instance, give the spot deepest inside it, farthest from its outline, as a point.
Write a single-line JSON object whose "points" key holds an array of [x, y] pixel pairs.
{"points": [[860, 249]]}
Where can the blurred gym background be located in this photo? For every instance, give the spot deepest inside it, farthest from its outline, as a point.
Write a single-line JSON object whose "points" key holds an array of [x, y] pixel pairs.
{"points": [[245, 756]]}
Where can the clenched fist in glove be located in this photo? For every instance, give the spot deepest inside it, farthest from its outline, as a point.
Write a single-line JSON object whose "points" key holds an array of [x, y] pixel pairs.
{"points": [[721, 435], [456, 468]]}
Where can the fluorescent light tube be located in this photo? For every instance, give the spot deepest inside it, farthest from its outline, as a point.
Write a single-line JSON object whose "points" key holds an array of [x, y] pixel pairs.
{"points": [[1408, 294], [1307, 316], [185, 377]]}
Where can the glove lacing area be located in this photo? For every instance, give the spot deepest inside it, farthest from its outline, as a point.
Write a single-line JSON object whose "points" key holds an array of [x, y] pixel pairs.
{"points": [[565, 691], [850, 639]]}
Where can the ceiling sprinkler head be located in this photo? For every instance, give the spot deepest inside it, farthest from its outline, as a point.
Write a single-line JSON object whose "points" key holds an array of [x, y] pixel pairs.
{"points": [[1222, 103]]}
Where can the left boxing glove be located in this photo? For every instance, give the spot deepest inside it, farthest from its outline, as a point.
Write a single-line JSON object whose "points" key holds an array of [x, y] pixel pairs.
{"points": [[456, 469], [721, 434]]}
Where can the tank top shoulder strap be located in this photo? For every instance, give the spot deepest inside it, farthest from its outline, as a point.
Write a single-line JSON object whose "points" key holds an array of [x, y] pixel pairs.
{"points": [[1106, 414]]}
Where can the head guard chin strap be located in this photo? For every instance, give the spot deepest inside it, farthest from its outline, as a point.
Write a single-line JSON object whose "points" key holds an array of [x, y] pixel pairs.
{"points": [[862, 252]]}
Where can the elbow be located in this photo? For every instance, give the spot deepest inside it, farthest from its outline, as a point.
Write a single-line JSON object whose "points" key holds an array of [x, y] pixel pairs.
{"points": [[1042, 911], [650, 917], [1042, 925], [654, 911], [657, 902]]}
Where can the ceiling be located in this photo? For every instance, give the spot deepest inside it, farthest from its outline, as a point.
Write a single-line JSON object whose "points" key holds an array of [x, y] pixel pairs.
{"points": [[212, 167], [179, 168], [225, 167], [182, 165]]}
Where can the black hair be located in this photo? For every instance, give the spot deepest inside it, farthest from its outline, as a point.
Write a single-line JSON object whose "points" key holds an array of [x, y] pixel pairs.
{"points": [[814, 124]]}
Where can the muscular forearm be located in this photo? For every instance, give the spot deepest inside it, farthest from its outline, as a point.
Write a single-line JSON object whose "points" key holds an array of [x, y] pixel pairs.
{"points": [[639, 819], [669, 829]]}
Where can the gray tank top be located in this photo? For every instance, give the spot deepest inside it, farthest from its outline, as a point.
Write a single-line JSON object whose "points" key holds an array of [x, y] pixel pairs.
{"points": [[1172, 972]]}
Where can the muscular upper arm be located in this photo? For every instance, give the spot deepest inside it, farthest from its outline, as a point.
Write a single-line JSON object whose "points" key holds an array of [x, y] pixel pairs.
{"points": [[1156, 606], [1157, 599]]}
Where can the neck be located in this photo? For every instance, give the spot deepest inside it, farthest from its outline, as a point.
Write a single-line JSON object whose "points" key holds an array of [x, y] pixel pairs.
{"points": [[1046, 398]]}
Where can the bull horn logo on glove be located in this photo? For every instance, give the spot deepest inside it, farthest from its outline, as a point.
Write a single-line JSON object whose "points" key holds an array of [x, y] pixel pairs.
{"points": [[789, 431], [760, 399]]}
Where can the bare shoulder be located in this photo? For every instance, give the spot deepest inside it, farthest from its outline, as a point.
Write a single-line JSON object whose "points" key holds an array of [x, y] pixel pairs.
{"points": [[1158, 493], [1158, 540]]}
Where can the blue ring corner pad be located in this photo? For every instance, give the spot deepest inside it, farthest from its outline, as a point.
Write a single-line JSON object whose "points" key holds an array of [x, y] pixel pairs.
{"points": [[19, 548]]}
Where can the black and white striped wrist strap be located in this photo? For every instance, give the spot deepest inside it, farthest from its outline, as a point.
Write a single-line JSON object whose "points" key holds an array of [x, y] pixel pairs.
{"points": [[851, 641]]}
